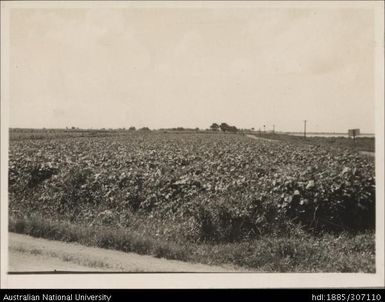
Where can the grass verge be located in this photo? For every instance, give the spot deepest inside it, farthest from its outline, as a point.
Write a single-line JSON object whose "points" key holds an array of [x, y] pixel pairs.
{"points": [[299, 252]]}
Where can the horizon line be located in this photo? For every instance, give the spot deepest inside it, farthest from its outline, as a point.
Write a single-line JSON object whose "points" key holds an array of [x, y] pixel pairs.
{"points": [[180, 128]]}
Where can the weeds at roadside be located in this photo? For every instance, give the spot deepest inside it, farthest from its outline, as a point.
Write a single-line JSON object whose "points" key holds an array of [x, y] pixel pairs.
{"points": [[297, 252]]}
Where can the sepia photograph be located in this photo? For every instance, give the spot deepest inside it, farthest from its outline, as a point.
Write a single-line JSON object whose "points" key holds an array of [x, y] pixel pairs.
{"points": [[241, 140]]}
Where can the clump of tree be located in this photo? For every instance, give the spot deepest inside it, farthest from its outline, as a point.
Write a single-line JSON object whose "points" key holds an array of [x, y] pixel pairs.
{"points": [[224, 127], [144, 129], [227, 128], [214, 127], [132, 128]]}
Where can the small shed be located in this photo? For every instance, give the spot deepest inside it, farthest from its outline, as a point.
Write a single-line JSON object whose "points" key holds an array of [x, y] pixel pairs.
{"points": [[353, 133]]}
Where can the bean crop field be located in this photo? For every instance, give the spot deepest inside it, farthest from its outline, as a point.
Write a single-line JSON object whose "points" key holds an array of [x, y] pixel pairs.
{"points": [[214, 198]]}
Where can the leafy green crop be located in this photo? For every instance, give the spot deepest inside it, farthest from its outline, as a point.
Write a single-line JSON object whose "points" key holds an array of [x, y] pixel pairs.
{"points": [[210, 187]]}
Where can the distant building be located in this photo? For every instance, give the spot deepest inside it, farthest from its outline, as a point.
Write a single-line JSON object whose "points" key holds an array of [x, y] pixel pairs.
{"points": [[353, 132]]}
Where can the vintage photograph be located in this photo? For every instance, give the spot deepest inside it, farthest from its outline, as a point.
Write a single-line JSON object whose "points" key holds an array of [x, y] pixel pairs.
{"points": [[186, 137]]}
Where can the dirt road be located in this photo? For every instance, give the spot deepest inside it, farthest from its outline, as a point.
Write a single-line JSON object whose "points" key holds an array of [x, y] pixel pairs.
{"points": [[262, 138], [366, 153], [28, 254], [371, 154]]}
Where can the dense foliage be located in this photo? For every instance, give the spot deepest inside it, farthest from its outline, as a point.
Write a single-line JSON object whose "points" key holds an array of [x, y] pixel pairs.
{"points": [[213, 187]]}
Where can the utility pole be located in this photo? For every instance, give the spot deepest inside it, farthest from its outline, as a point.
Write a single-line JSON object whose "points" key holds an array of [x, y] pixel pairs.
{"points": [[273, 128], [264, 126], [304, 129]]}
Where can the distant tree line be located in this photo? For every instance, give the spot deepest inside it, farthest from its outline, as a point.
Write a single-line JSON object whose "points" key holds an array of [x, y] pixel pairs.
{"points": [[214, 127]]}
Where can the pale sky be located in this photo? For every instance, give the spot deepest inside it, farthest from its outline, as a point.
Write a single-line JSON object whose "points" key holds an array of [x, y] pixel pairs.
{"points": [[190, 67]]}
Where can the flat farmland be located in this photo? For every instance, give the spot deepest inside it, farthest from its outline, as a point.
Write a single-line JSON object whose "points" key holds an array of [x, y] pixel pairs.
{"points": [[212, 198]]}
